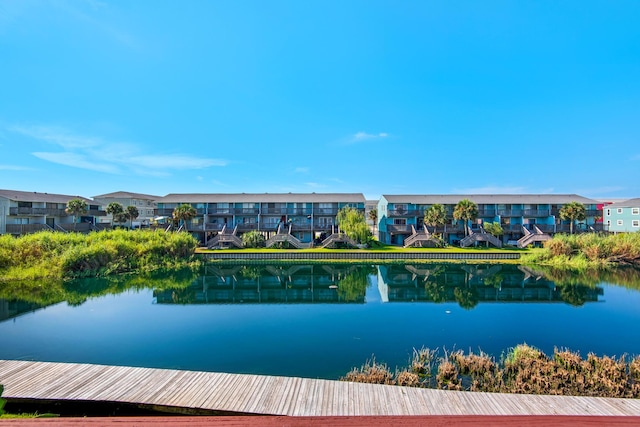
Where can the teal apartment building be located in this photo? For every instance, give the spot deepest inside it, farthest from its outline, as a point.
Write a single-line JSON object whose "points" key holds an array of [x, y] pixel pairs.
{"points": [[622, 217], [400, 215], [308, 215]]}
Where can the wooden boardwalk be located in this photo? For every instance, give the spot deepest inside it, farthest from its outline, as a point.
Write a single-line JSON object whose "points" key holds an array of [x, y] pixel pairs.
{"points": [[269, 395]]}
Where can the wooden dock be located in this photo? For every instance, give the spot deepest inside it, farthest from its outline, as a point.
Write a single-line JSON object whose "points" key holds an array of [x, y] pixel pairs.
{"points": [[270, 395]]}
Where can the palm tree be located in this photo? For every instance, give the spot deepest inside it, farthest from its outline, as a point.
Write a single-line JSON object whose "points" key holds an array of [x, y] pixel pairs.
{"points": [[184, 212], [115, 209], [373, 216], [573, 211], [436, 215], [76, 207], [466, 211], [131, 213]]}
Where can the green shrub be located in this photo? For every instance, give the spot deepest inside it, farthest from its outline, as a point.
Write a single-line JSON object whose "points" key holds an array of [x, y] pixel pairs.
{"points": [[52, 254], [253, 239]]}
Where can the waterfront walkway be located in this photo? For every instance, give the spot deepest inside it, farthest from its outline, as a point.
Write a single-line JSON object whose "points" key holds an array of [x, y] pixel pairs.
{"points": [[199, 392]]}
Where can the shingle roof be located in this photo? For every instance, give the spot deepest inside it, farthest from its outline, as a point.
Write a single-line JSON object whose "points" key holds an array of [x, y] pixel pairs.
{"points": [[631, 203], [264, 198], [126, 195], [452, 199], [32, 196]]}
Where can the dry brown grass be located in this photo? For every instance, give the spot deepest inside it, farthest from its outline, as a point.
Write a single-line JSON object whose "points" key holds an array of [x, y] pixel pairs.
{"points": [[525, 369]]}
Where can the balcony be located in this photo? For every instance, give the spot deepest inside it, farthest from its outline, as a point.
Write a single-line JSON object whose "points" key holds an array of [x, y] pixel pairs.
{"points": [[274, 211], [26, 228], [484, 213], [405, 212], [51, 212], [510, 212], [248, 226], [326, 211], [246, 211], [220, 211], [38, 211], [399, 229], [536, 212]]}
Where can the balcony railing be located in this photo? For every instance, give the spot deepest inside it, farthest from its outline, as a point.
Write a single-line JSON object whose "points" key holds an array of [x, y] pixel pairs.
{"points": [[325, 211], [38, 211], [51, 212], [26, 228], [246, 211], [487, 213], [510, 212], [400, 229], [220, 211], [405, 212]]}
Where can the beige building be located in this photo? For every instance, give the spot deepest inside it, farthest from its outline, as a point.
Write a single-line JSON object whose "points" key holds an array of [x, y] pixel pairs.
{"points": [[145, 203]]}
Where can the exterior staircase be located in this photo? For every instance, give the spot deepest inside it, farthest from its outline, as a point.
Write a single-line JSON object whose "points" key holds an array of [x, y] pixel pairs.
{"points": [[419, 238], [337, 237], [482, 236], [225, 237], [282, 236], [529, 237]]}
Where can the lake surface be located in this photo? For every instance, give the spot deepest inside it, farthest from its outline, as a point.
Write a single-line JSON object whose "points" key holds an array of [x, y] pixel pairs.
{"points": [[319, 321]]}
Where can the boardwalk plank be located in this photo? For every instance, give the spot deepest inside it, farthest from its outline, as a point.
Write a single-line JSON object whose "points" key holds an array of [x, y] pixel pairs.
{"points": [[279, 395], [216, 390], [224, 389]]}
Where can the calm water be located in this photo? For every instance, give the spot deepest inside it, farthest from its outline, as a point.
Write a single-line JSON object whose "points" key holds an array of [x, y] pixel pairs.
{"points": [[320, 320]]}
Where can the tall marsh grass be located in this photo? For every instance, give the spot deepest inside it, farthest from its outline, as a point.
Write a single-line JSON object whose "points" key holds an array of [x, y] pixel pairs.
{"points": [[524, 369], [66, 255], [588, 251]]}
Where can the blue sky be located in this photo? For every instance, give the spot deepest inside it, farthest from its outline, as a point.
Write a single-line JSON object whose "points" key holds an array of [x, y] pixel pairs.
{"points": [[378, 97]]}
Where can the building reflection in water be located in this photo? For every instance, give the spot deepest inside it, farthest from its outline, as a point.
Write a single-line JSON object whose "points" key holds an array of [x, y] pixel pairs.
{"points": [[469, 285], [465, 284], [274, 284]]}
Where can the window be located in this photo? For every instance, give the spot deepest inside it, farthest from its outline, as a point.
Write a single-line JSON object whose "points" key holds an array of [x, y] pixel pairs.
{"points": [[608, 212], [619, 222], [400, 221], [609, 222], [635, 211], [635, 223], [619, 210], [325, 221]]}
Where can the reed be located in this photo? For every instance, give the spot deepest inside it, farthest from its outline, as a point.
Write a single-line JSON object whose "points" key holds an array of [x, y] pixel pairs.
{"points": [[67, 255], [588, 251], [524, 369]]}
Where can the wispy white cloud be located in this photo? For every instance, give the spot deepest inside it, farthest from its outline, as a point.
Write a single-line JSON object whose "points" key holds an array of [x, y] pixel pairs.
{"points": [[301, 169], [77, 161], [93, 153], [314, 185], [363, 136], [173, 162], [56, 135], [14, 168]]}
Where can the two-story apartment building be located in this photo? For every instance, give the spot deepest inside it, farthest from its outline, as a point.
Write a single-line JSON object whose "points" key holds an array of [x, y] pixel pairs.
{"points": [[308, 215], [23, 212], [622, 217], [398, 215], [145, 203]]}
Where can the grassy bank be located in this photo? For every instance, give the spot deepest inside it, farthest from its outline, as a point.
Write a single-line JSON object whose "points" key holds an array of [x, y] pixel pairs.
{"points": [[524, 370], [587, 251], [56, 255]]}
